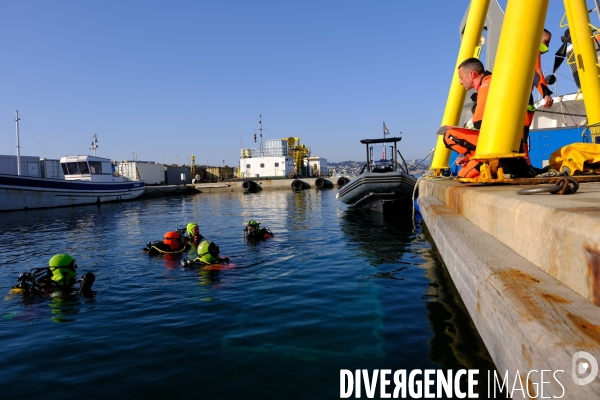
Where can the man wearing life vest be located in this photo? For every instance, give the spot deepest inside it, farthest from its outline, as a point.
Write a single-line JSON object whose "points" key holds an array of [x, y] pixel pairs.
{"points": [[171, 243], [254, 232], [62, 267], [193, 233], [472, 75], [59, 275], [172, 240], [539, 83], [208, 253]]}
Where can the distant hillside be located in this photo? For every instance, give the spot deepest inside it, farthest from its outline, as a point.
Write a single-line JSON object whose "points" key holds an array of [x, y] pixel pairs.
{"points": [[353, 168]]}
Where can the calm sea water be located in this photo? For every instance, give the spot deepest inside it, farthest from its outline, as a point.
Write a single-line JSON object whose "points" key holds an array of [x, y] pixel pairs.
{"points": [[334, 289]]}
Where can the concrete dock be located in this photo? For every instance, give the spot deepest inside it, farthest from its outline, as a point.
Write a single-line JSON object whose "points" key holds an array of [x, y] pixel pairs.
{"points": [[263, 184], [528, 270], [245, 185]]}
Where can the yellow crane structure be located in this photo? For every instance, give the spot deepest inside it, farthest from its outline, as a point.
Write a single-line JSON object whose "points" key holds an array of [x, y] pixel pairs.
{"points": [[298, 152], [508, 95]]}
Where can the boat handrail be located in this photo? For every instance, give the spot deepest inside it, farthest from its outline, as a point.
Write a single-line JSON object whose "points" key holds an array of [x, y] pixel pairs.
{"points": [[381, 140]]}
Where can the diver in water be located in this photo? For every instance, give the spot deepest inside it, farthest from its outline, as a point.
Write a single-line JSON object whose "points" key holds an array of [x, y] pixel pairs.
{"points": [[208, 254], [254, 233], [193, 233], [60, 275], [172, 243]]}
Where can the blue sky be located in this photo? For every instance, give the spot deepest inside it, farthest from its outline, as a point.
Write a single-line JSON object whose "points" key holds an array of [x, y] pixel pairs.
{"points": [[166, 80]]}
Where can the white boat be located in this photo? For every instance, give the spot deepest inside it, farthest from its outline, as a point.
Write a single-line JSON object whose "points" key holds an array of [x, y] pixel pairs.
{"points": [[88, 180], [381, 184]]}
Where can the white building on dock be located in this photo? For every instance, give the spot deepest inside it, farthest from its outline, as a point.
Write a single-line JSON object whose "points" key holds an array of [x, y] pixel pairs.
{"points": [[272, 160]]}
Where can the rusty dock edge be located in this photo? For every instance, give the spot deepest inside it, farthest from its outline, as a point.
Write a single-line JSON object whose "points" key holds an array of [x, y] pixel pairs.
{"points": [[528, 271]]}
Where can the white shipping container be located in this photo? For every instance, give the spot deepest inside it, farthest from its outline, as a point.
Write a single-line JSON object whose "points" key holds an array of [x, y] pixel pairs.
{"points": [[275, 148], [276, 143], [150, 172], [274, 152], [51, 169], [30, 165]]}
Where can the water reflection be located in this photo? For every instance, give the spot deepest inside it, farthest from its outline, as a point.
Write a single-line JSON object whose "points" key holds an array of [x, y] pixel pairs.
{"points": [[399, 251], [378, 237], [333, 289], [455, 343], [62, 306], [171, 261]]}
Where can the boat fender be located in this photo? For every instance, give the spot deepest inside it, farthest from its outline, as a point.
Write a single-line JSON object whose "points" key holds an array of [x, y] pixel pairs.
{"points": [[250, 186], [342, 180], [322, 183], [297, 184]]}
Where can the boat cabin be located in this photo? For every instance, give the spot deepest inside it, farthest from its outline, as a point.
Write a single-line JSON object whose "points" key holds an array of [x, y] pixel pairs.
{"points": [[388, 161], [88, 168]]}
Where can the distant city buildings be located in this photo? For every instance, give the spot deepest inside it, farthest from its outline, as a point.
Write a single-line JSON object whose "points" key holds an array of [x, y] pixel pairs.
{"points": [[353, 168]]}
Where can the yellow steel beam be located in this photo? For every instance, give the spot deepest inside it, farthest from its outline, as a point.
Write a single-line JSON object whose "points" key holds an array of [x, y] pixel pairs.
{"points": [[456, 97], [585, 57], [504, 116]]}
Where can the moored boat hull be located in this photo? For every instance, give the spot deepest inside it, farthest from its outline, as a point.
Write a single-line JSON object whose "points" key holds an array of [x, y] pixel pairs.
{"points": [[374, 189], [23, 193]]}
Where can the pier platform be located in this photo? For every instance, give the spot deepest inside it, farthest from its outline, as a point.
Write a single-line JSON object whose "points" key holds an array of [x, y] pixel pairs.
{"points": [[168, 190], [263, 184], [242, 185], [528, 270]]}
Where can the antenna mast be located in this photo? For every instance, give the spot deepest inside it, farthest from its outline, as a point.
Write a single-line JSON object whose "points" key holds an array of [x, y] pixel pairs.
{"points": [[18, 147], [94, 145], [261, 144]]}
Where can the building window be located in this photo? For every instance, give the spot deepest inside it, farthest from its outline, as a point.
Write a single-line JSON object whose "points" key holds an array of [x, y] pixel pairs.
{"points": [[262, 165], [276, 164], [247, 165]]}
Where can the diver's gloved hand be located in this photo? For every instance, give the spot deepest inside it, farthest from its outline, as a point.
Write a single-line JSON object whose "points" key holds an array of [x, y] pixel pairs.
{"points": [[86, 281], [225, 259]]}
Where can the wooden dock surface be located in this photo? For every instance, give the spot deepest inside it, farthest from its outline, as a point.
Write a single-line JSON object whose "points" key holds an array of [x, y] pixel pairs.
{"points": [[527, 269]]}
